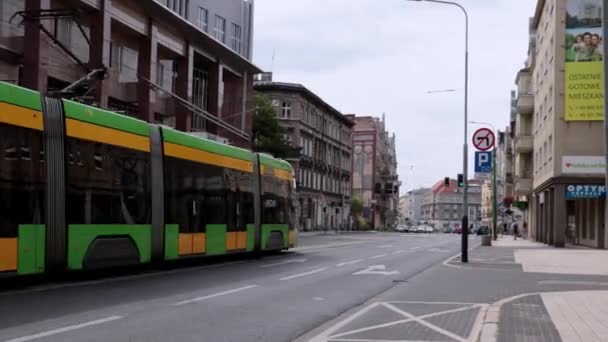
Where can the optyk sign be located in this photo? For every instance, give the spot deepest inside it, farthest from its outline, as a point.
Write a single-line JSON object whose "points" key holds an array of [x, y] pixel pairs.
{"points": [[585, 191]]}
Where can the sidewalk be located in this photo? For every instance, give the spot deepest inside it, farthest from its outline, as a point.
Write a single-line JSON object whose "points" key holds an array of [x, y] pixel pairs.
{"points": [[552, 316], [510, 292]]}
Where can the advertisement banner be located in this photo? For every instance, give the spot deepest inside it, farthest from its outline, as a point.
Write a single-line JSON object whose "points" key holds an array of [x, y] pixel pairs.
{"points": [[584, 55], [584, 164]]}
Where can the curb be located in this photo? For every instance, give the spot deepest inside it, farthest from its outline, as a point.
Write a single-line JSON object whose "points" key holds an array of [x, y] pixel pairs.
{"points": [[489, 328]]}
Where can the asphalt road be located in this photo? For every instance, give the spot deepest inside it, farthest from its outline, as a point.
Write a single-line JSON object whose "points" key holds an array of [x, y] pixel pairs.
{"points": [[276, 298]]}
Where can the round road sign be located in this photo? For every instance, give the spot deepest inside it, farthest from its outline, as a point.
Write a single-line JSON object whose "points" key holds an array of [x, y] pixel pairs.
{"points": [[484, 139]]}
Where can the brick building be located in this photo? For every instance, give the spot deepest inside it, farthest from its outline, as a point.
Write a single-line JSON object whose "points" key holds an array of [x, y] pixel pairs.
{"points": [[173, 62]]}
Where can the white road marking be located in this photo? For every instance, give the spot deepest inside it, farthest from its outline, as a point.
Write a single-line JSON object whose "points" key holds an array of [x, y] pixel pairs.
{"points": [[300, 260], [304, 274], [398, 251], [385, 246], [378, 256], [414, 248], [65, 329], [349, 262], [198, 299], [376, 269]]}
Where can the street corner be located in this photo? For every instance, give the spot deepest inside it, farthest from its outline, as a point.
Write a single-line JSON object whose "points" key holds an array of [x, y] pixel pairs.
{"points": [[409, 321], [487, 258]]}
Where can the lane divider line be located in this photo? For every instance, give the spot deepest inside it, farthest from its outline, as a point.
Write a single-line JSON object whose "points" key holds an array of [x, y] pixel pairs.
{"points": [[65, 329], [378, 256], [304, 274], [349, 262], [198, 299]]}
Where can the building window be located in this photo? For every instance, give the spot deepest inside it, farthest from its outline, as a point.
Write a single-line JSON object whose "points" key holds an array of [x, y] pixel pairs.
{"points": [[220, 29], [178, 6], [203, 19], [286, 110], [236, 38], [126, 59], [167, 74]]}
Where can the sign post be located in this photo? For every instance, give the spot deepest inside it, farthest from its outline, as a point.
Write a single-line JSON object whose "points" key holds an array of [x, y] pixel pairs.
{"points": [[484, 140]]}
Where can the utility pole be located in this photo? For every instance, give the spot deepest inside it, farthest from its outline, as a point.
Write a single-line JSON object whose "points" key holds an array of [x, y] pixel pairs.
{"points": [[494, 197]]}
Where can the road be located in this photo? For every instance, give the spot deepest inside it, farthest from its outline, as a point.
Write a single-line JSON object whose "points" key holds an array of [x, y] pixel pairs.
{"points": [[276, 298]]}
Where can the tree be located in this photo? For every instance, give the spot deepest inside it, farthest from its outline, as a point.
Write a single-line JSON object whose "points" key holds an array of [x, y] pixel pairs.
{"points": [[356, 207], [268, 135]]}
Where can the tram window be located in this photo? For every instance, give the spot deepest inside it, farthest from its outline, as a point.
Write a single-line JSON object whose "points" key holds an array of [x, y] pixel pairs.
{"points": [[22, 179], [106, 184]]}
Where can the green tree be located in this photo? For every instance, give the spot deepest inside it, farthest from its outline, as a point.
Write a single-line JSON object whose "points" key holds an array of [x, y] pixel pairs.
{"points": [[356, 207], [268, 135]]}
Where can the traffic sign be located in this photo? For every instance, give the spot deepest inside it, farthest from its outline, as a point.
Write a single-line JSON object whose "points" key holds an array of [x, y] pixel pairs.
{"points": [[483, 161], [484, 139]]}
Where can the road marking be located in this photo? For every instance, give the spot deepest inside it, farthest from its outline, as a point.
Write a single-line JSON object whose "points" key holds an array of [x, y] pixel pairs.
{"points": [[571, 282], [198, 299], [349, 262], [414, 248], [378, 256], [385, 246], [304, 274], [398, 251], [376, 269], [300, 260], [65, 329]]}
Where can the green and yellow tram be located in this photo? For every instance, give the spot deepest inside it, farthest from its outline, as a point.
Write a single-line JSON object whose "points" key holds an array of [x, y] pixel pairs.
{"points": [[84, 188]]}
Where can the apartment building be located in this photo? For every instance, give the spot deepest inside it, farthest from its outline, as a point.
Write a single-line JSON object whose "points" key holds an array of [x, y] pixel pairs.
{"points": [[324, 168], [560, 163], [375, 181], [442, 205], [148, 59], [410, 205]]}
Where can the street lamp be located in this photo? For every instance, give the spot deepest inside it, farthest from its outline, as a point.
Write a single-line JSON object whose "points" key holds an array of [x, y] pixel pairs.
{"points": [[465, 209], [494, 196]]}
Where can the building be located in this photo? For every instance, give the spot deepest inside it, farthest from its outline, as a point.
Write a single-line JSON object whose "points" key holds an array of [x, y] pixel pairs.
{"points": [[410, 205], [324, 169], [442, 205], [163, 62], [487, 210], [559, 136], [375, 181]]}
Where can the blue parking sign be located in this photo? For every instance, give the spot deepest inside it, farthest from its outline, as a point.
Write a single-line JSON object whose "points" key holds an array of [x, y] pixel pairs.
{"points": [[483, 161]]}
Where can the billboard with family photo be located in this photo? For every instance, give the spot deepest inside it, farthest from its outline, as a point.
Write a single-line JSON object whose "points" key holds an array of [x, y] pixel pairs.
{"points": [[584, 55]]}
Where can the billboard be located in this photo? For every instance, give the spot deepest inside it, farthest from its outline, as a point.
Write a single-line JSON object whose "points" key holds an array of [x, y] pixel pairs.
{"points": [[584, 55]]}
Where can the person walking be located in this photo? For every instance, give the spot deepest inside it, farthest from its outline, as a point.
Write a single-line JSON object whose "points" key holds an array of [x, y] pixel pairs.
{"points": [[515, 228]]}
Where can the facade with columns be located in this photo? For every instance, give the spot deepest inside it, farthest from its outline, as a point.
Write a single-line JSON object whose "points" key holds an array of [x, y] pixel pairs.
{"points": [[180, 63]]}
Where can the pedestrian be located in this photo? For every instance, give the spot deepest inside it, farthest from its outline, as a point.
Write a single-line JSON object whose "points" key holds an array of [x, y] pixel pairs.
{"points": [[515, 230], [525, 230]]}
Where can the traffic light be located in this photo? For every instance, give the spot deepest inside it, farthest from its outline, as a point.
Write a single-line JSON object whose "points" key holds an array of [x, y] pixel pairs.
{"points": [[446, 182], [460, 180]]}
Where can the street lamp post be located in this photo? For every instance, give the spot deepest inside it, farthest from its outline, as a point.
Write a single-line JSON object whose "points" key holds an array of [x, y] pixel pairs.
{"points": [[465, 153], [494, 196]]}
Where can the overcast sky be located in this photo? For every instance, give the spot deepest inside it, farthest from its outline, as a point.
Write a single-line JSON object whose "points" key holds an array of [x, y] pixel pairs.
{"points": [[370, 57]]}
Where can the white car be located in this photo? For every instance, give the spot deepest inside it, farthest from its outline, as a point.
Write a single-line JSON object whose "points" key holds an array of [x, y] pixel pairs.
{"points": [[429, 229], [420, 229]]}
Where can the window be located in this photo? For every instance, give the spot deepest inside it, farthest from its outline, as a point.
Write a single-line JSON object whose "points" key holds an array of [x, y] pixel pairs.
{"points": [[22, 199], [236, 38], [178, 6], [106, 184], [220, 29], [167, 74], [203, 19], [126, 60], [286, 110]]}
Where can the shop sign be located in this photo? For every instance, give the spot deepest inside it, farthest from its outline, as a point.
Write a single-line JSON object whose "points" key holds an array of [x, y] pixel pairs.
{"points": [[584, 164], [585, 191]]}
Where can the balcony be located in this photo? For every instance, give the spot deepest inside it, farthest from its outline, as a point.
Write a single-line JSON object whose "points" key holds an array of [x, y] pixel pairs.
{"points": [[523, 186], [525, 104], [524, 143]]}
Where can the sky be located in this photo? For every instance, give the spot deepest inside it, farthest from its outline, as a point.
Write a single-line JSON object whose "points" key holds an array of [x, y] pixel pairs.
{"points": [[370, 57]]}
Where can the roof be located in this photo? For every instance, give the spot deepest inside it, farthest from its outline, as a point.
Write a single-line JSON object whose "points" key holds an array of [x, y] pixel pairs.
{"points": [[298, 88]]}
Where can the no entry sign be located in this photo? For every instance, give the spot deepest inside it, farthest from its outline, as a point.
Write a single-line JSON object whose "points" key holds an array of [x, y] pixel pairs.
{"points": [[484, 139]]}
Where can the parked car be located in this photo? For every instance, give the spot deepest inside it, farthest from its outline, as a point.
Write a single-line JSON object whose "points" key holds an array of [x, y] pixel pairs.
{"points": [[458, 230], [420, 229], [429, 229], [402, 228]]}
